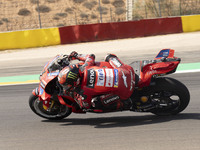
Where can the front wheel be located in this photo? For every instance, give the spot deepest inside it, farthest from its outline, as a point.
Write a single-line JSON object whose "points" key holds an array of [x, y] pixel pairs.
{"points": [[171, 95], [57, 112]]}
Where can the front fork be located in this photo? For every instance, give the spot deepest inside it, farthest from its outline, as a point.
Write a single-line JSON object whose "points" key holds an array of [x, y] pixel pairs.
{"points": [[44, 97], [48, 102]]}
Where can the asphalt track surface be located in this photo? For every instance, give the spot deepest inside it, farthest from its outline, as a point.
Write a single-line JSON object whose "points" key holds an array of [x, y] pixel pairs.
{"points": [[21, 129]]}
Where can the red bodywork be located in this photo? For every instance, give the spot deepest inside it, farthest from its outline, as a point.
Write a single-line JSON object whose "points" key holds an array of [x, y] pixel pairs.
{"points": [[158, 67]]}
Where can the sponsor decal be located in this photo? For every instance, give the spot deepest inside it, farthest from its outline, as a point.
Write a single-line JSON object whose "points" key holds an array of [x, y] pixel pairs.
{"points": [[132, 81], [42, 84], [152, 72], [72, 75], [101, 77], [111, 99], [163, 53], [91, 78], [116, 80], [53, 74], [124, 78], [116, 62], [109, 77], [41, 91]]}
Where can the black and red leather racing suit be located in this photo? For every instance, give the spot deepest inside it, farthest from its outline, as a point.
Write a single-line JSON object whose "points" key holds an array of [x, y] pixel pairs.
{"points": [[103, 85]]}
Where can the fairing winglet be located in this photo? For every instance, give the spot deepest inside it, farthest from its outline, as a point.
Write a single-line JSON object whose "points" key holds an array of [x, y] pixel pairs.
{"points": [[167, 53]]}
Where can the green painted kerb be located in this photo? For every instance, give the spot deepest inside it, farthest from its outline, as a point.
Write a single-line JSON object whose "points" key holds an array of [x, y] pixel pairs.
{"points": [[188, 66], [27, 78], [19, 78]]}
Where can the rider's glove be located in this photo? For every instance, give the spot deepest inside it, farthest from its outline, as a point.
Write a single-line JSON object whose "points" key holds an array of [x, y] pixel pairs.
{"points": [[73, 55]]}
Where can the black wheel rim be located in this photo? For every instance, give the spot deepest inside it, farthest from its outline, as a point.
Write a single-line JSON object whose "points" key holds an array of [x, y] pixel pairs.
{"points": [[167, 101], [53, 113]]}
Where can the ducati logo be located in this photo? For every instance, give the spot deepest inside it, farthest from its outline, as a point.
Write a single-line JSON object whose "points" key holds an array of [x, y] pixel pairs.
{"points": [[124, 78]]}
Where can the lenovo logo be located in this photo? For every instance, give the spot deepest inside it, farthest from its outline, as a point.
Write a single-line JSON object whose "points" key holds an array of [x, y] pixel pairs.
{"points": [[91, 78]]}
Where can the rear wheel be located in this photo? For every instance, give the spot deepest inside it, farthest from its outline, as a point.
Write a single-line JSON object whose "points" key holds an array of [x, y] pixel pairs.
{"points": [[57, 112], [171, 96]]}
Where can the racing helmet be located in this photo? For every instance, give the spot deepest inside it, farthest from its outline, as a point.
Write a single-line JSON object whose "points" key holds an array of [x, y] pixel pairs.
{"points": [[67, 78]]}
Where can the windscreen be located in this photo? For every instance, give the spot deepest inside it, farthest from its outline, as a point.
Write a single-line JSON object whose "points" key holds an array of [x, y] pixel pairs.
{"points": [[53, 64]]}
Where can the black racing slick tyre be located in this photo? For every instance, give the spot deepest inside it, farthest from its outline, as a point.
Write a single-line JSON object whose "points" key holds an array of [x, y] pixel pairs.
{"points": [[58, 111], [172, 95]]}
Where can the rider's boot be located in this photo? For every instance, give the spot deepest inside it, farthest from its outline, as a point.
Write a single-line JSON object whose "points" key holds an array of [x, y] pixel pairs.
{"points": [[113, 60], [127, 104]]}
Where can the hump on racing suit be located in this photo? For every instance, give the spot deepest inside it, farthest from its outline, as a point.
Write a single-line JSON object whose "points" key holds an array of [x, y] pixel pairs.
{"points": [[111, 84]]}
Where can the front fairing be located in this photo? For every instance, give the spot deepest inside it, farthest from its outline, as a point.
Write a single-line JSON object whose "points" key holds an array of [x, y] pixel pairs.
{"points": [[49, 73], [44, 80], [46, 77], [42, 94]]}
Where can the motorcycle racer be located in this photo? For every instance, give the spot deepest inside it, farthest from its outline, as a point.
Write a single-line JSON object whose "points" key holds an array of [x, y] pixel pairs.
{"points": [[108, 86], [96, 86]]}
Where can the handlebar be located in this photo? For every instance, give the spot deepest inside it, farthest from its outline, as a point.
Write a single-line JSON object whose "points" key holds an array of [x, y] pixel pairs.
{"points": [[64, 61]]}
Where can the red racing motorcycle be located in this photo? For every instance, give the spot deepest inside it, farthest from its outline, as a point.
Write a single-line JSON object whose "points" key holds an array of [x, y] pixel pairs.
{"points": [[153, 93]]}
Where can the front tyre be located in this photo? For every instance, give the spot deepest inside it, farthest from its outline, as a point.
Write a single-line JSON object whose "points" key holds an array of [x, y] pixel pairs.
{"points": [[58, 111], [172, 96]]}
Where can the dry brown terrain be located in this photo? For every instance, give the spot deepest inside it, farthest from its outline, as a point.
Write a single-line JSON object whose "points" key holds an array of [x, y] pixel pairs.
{"points": [[30, 14], [24, 14]]}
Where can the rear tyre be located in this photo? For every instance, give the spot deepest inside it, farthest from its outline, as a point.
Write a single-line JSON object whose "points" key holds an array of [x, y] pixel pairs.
{"points": [[58, 111], [172, 95]]}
